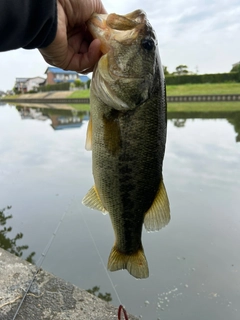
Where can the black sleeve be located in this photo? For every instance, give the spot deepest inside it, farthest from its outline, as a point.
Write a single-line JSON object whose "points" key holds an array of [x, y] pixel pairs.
{"points": [[27, 24]]}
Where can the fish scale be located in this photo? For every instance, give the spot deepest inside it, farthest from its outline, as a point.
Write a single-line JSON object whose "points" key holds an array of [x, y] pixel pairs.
{"points": [[127, 135]]}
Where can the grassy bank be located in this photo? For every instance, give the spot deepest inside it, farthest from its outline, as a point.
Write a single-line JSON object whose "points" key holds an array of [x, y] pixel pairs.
{"points": [[185, 90], [202, 89], [80, 107], [14, 96], [80, 94], [204, 107], [179, 90], [186, 107]]}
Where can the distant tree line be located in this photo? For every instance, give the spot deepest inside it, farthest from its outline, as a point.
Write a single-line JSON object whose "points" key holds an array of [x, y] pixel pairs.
{"points": [[182, 76]]}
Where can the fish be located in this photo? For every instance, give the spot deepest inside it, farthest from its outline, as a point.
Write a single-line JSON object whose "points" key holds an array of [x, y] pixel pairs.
{"points": [[127, 135]]}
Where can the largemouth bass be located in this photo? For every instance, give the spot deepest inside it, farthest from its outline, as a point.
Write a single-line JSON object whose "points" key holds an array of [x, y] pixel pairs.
{"points": [[127, 135]]}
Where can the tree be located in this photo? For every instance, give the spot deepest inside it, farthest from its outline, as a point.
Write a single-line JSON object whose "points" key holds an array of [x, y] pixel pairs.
{"points": [[181, 70], [16, 91], [88, 83], [165, 71], [10, 244], [236, 68], [78, 83]]}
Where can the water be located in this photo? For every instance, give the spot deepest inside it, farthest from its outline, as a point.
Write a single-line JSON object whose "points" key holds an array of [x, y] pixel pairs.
{"points": [[194, 262]]}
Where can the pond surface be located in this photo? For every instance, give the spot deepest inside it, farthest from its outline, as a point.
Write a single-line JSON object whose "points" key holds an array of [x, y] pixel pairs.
{"points": [[194, 262]]}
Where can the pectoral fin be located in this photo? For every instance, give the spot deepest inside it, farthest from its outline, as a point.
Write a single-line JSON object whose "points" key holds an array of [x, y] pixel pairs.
{"points": [[158, 215], [88, 144], [92, 200]]}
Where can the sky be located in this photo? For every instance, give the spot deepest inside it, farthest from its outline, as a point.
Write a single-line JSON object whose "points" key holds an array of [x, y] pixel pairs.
{"points": [[202, 34]]}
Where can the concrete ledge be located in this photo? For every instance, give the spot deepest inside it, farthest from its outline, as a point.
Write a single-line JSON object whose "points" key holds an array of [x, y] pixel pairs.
{"points": [[62, 97], [49, 100], [204, 98], [49, 297]]}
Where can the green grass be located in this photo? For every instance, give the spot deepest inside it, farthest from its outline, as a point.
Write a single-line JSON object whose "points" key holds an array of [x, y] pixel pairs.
{"points": [[186, 89], [204, 106], [177, 90], [187, 107], [205, 88], [14, 96], [80, 94], [81, 107]]}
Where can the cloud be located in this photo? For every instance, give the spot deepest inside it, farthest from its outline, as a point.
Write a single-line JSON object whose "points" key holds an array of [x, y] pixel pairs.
{"points": [[198, 33], [20, 63]]}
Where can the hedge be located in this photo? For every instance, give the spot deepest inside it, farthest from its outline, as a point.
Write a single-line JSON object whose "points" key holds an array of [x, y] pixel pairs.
{"points": [[64, 86], [203, 78]]}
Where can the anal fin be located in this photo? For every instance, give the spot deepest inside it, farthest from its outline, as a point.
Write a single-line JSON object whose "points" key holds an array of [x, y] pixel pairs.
{"points": [[92, 200], [158, 216]]}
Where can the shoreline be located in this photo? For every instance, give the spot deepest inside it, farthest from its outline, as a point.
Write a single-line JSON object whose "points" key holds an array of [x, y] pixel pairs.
{"points": [[49, 99], [47, 296]]}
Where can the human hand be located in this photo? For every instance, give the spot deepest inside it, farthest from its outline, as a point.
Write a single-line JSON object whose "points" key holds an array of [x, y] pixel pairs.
{"points": [[73, 47]]}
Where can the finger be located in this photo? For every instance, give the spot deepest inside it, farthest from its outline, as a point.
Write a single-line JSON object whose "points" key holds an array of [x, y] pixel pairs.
{"points": [[101, 8], [81, 62]]}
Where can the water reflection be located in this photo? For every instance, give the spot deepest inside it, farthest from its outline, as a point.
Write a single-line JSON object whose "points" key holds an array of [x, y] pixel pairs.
{"points": [[61, 118], [95, 291], [194, 262], [235, 121], [10, 243], [69, 118], [179, 123], [179, 119]]}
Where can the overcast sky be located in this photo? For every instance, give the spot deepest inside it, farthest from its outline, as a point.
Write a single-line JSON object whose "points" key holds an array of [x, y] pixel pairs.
{"points": [[202, 34]]}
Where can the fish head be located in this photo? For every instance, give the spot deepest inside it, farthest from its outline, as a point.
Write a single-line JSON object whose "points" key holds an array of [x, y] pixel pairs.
{"points": [[126, 73]]}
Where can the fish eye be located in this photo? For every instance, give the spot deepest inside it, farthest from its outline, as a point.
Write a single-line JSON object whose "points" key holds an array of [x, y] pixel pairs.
{"points": [[148, 44]]}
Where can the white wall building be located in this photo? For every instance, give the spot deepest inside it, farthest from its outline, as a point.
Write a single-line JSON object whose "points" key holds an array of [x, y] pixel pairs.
{"points": [[28, 84], [33, 83]]}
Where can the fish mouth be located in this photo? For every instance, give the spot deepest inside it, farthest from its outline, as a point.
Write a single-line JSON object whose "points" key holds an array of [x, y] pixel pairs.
{"points": [[108, 27], [98, 28]]}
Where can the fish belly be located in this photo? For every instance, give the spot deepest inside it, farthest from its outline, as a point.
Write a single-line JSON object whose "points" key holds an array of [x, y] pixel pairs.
{"points": [[127, 169]]}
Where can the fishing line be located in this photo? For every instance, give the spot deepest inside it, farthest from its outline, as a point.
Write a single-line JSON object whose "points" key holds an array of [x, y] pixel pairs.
{"points": [[99, 254], [41, 260]]}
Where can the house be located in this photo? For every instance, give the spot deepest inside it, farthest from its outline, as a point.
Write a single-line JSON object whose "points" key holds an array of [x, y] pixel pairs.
{"points": [[28, 84], [32, 84], [2, 93], [20, 85], [57, 75]]}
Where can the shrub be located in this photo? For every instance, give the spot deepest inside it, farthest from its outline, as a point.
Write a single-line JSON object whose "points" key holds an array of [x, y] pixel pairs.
{"points": [[203, 78], [64, 86]]}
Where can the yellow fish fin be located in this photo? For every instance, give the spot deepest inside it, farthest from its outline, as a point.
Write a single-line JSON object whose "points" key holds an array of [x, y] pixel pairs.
{"points": [[92, 200], [158, 215], [136, 263], [88, 144]]}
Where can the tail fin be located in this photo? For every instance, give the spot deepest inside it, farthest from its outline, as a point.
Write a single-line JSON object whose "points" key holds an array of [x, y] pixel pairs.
{"points": [[136, 263]]}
